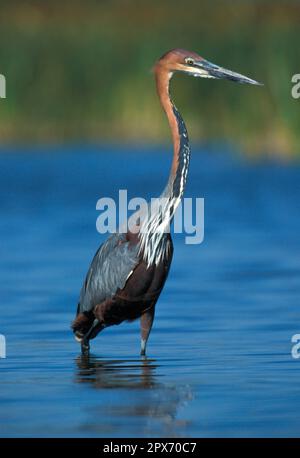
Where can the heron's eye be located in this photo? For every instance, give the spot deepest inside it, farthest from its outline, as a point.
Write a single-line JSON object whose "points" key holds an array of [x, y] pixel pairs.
{"points": [[189, 61]]}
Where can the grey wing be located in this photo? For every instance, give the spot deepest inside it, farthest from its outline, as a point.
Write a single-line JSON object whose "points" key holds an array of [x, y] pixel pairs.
{"points": [[111, 267]]}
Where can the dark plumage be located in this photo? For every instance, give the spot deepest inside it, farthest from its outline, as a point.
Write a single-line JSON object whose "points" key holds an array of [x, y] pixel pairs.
{"points": [[120, 286]]}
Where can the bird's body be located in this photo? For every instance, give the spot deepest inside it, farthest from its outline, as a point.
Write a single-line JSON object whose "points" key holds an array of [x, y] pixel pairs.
{"points": [[121, 286], [129, 270]]}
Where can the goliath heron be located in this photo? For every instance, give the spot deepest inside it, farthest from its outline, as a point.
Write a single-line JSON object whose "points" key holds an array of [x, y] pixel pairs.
{"points": [[129, 270]]}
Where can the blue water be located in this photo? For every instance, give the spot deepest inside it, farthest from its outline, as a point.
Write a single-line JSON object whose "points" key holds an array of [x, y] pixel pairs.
{"points": [[219, 357]]}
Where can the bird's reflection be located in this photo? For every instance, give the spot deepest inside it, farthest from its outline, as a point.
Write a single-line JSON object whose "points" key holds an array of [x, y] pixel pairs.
{"points": [[105, 373], [139, 404]]}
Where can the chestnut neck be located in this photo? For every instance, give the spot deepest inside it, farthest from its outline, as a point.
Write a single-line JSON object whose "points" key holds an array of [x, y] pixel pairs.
{"points": [[181, 150]]}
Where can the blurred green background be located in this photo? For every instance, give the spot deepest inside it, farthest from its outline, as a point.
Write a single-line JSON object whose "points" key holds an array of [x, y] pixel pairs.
{"points": [[80, 71]]}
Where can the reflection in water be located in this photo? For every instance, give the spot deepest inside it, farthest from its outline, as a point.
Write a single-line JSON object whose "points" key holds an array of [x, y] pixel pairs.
{"points": [[116, 373], [149, 406]]}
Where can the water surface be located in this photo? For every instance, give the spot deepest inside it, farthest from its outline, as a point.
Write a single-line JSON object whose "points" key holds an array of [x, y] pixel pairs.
{"points": [[219, 357]]}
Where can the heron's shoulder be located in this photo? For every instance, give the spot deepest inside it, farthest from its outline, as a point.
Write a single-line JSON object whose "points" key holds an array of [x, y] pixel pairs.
{"points": [[116, 243]]}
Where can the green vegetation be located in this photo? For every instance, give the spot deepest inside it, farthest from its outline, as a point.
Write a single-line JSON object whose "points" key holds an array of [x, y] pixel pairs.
{"points": [[80, 70]]}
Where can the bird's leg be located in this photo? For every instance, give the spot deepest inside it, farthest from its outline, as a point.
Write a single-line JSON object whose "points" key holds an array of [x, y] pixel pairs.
{"points": [[146, 325], [85, 343], [85, 346]]}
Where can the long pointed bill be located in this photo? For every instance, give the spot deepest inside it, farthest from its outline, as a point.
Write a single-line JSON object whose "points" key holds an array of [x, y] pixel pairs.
{"points": [[210, 70]]}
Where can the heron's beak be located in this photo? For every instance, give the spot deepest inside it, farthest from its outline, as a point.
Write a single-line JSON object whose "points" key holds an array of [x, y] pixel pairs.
{"points": [[206, 69]]}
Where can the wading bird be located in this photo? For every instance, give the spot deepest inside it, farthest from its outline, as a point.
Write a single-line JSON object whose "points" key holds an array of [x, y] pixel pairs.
{"points": [[129, 270]]}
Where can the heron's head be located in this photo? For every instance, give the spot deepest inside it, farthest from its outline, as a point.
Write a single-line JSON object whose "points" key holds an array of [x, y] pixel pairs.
{"points": [[180, 60]]}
